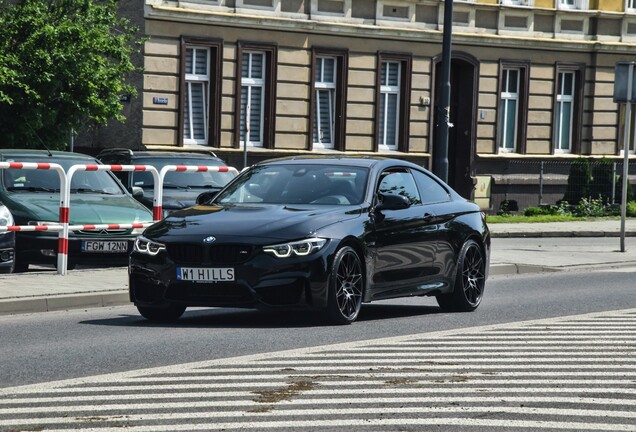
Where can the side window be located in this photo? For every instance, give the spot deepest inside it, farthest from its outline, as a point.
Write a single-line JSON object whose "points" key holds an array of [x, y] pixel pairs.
{"points": [[430, 190], [399, 183]]}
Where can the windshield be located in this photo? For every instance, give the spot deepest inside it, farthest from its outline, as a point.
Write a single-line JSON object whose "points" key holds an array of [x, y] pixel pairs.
{"points": [[298, 184], [23, 180], [182, 179]]}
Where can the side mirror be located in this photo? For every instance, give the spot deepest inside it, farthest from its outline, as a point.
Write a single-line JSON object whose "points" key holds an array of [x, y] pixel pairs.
{"points": [[137, 192], [205, 197], [392, 202]]}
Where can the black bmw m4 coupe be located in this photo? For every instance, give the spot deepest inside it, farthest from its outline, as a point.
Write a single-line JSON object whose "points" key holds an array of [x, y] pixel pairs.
{"points": [[328, 233]]}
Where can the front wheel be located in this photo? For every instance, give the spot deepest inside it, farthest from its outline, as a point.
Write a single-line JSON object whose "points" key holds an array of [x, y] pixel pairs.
{"points": [[165, 313], [470, 280], [346, 284]]}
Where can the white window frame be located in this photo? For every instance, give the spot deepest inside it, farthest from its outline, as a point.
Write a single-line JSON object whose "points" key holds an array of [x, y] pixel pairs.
{"points": [[507, 96], [274, 8], [572, 4], [528, 3], [630, 6], [561, 100], [331, 87], [388, 90], [197, 78], [250, 83]]}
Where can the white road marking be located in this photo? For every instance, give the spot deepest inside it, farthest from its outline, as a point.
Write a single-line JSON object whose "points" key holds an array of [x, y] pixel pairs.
{"points": [[572, 373]]}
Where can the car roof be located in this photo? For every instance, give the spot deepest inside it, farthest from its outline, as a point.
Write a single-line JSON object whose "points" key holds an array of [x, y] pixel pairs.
{"points": [[168, 154], [43, 154], [349, 160]]}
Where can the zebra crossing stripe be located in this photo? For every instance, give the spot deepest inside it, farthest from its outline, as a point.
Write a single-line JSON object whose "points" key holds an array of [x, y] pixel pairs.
{"points": [[572, 373]]}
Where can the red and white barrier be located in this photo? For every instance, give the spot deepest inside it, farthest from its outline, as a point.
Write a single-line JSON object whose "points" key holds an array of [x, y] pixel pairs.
{"points": [[63, 226], [62, 252]]}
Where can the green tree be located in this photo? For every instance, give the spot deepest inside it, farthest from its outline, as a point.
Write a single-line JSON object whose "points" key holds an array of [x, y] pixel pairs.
{"points": [[579, 180], [601, 186], [63, 64]]}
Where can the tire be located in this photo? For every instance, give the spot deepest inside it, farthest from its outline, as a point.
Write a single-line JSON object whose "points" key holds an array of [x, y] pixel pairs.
{"points": [[470, 280], [20, 266], [165, 313], [346, 286]]}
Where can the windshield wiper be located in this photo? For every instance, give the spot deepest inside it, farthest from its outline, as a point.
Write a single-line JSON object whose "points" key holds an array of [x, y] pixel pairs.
{"points": [[205, 186], [174, 186], [31, 189], [90, 190]]}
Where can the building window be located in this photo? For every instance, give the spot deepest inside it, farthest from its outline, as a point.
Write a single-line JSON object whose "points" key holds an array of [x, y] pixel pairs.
{"points": [[564, 111], [257, 103], [197, 82], [200, 72], [513, 106], [630, 5], [389, 104], [328, 98], [573, 4], [509, 110], [568, 107], [325, 94], [252, 92], [393, 102]]}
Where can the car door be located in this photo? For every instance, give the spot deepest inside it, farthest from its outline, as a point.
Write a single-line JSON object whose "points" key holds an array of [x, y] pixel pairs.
{"points": [[405, 240]]}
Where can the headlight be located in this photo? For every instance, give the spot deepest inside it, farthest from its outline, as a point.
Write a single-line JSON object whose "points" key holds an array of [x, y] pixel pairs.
{"points": [[148, 247], [137, 231], [298, 248], [6, 219]]}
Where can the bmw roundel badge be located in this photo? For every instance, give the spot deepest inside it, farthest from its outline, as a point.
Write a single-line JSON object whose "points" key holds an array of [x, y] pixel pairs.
{"points": [[209, 239]]}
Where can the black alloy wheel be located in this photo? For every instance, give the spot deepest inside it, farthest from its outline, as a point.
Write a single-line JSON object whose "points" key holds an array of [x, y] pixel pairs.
{"points": [[166, 313], [469, 281], [346, 285]]}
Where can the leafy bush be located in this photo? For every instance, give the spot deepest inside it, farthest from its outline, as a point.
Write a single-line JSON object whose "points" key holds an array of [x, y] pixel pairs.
{"points": [[631, 209], [560, 209], [506, 207], [591, 207]]}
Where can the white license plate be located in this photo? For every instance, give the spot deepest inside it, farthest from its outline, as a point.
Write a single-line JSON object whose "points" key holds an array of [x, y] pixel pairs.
{"points": [[100, 246], [198, 274]]}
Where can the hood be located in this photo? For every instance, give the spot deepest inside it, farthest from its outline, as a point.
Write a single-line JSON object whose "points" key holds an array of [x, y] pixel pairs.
{"points": [[175, 199], [267, 222], [84, 208]]}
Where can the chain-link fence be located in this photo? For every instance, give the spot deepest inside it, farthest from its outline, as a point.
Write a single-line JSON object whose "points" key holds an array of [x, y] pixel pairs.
{"points": [[527, 183]]}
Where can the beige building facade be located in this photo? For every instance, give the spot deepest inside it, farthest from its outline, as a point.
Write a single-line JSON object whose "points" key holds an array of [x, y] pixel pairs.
{"points": [[530, 81]]}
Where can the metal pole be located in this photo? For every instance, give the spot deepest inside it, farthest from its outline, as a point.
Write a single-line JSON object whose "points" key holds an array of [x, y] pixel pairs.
{"points": [[626, 141], [541, 184], [443, 116], [614, 183], [247, 134]]}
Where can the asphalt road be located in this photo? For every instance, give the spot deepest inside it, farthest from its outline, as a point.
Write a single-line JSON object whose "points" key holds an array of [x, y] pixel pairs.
{"points": [[60, 345]]}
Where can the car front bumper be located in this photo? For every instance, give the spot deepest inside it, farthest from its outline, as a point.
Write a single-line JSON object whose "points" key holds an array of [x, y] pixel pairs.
{"points": [[42, 248], [7, 252], [262, 281]]}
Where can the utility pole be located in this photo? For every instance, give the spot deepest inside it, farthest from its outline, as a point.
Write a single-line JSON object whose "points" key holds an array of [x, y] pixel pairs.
{"points": [[443, 115]]}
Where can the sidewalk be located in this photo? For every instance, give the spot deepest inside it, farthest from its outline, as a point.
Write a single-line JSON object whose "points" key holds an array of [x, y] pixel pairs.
{"points": [[45, 290]]}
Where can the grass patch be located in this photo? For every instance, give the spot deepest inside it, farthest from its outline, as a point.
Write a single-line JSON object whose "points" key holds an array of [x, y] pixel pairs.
{"points": [[534, 219]]}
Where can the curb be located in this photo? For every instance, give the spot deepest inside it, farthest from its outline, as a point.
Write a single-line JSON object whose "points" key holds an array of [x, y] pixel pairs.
{"points": [[552, 234], [63, 302]]}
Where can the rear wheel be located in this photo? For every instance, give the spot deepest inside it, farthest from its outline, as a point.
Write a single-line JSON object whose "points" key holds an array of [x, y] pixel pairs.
{"points": [[346, 284], [470, 280], [166, 313]]}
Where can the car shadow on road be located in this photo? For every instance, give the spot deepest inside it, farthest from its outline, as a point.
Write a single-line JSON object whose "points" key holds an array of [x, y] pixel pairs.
{"points": [[253, 318]]}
